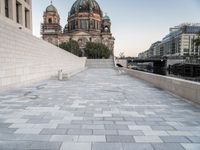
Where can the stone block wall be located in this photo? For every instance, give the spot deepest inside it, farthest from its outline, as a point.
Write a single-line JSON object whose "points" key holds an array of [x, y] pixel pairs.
{"points": [[25, 59]]}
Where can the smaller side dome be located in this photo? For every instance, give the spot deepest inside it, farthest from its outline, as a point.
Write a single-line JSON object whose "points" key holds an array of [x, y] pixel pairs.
{"points": [[106, 17], [51, 8]]}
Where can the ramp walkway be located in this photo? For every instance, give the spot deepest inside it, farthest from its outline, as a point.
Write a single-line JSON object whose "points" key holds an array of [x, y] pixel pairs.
{"points": [[98, 109]]}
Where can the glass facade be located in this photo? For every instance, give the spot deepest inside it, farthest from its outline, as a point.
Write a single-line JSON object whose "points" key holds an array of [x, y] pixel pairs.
{"points": [[191, 29]]}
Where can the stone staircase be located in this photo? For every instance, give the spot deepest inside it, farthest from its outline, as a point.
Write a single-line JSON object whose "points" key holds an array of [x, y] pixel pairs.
{"points": [[100, 63]]}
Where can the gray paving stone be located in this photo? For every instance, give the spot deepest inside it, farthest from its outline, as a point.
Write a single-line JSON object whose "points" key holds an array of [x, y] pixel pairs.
{"points": [[94, 127], [151, 123], [107, 146], [113, 118], [79, 132], [125, 122], [130, 132], [191, 146], [165, 128], [147, 139], [81, 122], [119, 139], [103, 122], [4, 125], [194, 139], [53, 131], [93, 138], [11, 137], [116, 127], [180, 133], [7, 130], [166, 146], [175, 139], [136, 146], [155, 119], [133, 118], [28, 131], [64, 138], [38, 121], [139, 127], [92, 106], [68, 126], [105, 132], [31, 137], [29, 145], [76, 146], [155, 133]]}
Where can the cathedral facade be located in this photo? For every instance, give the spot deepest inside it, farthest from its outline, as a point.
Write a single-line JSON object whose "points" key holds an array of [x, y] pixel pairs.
{"points": [[86, 23]]}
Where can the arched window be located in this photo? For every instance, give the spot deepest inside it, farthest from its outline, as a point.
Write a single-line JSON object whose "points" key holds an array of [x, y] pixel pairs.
{"points": [[106, 29], [50, 21]]}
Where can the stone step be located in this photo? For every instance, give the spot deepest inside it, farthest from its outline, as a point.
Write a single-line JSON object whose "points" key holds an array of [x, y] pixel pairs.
{"points": [[100, 63]]}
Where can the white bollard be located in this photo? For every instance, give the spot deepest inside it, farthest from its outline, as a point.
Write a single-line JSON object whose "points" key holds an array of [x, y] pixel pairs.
{"points": [[60, 75]]}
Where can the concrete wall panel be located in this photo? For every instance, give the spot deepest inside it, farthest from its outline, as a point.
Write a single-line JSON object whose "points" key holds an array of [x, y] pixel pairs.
{"points": [[25, 59], [186, 89]]}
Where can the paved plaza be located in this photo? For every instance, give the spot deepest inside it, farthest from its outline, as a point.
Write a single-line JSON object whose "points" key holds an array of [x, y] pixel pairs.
{"points": [[98, 109]]}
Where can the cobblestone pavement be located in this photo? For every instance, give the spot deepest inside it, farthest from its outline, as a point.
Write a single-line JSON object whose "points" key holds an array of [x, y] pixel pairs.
{"points": [[98, 109]]}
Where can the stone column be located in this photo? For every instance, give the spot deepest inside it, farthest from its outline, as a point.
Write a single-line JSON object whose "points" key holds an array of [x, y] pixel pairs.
{"points": [[23, 15], [12, 10], [2, 7], [30, 14], [79, 23]]}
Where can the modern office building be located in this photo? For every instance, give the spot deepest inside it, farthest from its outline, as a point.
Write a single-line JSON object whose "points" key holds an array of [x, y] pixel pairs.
{"points": [[153, 51], [19, 11], [178, 43]]}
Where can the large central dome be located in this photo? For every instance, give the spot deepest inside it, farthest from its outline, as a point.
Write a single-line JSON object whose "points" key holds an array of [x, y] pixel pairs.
{"points": [[89, 6]]}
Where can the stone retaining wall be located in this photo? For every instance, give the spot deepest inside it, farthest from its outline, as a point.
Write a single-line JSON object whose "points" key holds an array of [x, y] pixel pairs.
{"points": [[25, 59], [186, 89]]}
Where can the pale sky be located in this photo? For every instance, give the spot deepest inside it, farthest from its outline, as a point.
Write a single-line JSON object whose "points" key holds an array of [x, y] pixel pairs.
{"points": [[136, 24]]}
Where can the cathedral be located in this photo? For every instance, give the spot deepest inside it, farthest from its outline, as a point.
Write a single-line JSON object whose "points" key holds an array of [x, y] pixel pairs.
{"points": [[86, 23]]}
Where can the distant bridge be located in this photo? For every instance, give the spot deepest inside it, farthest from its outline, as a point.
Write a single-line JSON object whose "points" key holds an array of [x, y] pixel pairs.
{"points": [[154, 60], [159, 64]]}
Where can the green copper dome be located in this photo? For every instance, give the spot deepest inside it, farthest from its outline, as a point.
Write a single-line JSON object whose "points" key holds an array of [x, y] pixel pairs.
{"points": [[106, 17], [51, 8], [85, 6]]}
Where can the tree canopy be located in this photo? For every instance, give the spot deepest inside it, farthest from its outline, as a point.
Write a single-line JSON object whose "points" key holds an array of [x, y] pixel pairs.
{"points": [[97, 51], [197, 40], [72, 47]]}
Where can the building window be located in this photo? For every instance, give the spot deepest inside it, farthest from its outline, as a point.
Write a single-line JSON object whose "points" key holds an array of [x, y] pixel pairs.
{"points": [[92, 24], [73, 25], [27, 18], [50, 21], [85, 24], [18, 13], [6, 8]]}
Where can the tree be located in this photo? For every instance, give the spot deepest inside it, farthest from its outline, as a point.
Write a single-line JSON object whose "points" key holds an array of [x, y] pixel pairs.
{"points": [[121, 55], [197, 42], [96, 51], [72, 47]]}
